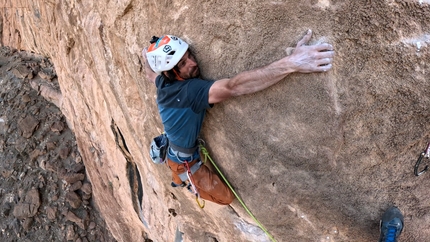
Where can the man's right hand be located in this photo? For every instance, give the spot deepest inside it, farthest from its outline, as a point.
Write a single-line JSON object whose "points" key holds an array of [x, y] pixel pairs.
{"points": [[150, 74], [311, 58]]}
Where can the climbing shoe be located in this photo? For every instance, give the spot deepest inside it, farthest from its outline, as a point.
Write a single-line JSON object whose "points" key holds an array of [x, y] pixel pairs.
{"points": [[391, 225]]}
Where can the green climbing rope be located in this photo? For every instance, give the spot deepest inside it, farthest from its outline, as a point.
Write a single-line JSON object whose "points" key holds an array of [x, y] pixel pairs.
{"points": [[206, 154]]}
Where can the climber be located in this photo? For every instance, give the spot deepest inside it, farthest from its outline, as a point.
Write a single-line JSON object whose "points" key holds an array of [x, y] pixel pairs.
{"points": [[182, 99]]}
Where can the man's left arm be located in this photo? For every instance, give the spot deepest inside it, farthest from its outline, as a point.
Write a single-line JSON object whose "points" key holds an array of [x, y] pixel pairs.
{"points": [[304, 59]]}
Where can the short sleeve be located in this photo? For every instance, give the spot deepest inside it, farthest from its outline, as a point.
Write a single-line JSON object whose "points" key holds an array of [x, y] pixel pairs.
{"points": [[198, 94]]}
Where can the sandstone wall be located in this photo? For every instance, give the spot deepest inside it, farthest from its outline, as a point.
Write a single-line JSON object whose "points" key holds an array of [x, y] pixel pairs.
{"points": [[317, 157]]}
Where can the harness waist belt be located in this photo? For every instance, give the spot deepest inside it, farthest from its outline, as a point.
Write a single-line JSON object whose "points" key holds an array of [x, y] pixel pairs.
{"points": [[186, 151], [193, 169], [180, 154]]}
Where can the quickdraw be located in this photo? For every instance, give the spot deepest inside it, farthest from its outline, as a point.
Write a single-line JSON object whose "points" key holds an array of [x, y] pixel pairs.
{"points": [[424, 154], [194, 188]]}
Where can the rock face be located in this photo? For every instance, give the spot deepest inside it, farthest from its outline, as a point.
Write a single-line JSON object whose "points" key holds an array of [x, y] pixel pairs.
{"points": [[317, 157]]}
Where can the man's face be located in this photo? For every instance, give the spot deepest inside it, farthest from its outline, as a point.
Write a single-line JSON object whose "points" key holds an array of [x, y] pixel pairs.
{"points": [[188, 67]]}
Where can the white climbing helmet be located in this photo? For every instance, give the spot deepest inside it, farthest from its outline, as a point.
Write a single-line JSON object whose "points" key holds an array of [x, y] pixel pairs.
{"points": [[165, 52]]}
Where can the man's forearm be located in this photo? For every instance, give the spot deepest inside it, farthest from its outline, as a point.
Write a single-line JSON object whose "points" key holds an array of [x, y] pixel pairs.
{"points": [[304, 59], [259, 79]]}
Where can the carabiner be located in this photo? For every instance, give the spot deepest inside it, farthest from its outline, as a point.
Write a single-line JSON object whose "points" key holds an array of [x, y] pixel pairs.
{"points": [[201, 205], [423, 154]]}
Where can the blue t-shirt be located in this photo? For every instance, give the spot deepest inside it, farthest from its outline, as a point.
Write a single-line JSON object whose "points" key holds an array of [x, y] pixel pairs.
{"points": [[182, 106]]}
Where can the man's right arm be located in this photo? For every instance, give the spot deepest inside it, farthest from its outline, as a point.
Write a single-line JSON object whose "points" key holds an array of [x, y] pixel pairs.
{"points": [[304, 59], [150, 74]]}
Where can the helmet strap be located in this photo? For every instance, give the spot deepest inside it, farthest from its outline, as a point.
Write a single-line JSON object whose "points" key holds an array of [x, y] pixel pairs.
{"points": [[177, 75]]}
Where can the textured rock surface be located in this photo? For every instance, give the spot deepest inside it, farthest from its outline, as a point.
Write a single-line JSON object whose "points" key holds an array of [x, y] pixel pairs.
{"points": [[316, 157]]}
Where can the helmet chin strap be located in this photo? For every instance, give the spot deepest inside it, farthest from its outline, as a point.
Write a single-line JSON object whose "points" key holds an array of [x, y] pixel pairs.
{"points": [[177, 75]]}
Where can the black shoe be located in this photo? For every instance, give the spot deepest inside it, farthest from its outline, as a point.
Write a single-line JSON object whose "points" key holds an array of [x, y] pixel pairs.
{"points": [[391, 225]]}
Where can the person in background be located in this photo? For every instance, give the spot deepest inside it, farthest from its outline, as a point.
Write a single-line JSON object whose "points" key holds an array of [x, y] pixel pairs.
{"points": [[391, 225]]}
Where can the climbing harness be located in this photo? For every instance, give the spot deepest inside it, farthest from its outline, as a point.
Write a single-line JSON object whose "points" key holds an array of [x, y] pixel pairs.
{"points": [[424, 154], [205, 152]]}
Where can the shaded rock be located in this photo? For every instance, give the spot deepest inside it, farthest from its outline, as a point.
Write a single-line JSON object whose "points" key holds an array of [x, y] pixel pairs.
{"points": [[22, 72], [29, 207], [28, 125], [35, 153], [51, 213], [50, 145], [92, 225], [86, 188], [64, 152], [3, 126], [70, 216], [77, 167], [86, 196], [26, 224], [46, 74], [70, 233], [51, 166], [75, 186], [5, 172], [73, 199], [73, 177], [54, 198], [57, 126], [24, 210], [5, 210], [20, 145], [42, 161], [26, 98]]}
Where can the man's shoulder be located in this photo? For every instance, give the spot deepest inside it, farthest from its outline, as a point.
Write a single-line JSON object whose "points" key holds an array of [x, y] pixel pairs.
{"points": [[199, 81]]}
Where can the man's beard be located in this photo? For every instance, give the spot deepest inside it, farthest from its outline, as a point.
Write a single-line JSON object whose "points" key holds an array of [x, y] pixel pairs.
{"points": [[195, 73]]}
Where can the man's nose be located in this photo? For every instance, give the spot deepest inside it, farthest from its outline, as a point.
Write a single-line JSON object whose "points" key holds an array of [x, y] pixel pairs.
{"points": [[192, 62]]}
